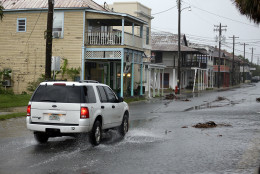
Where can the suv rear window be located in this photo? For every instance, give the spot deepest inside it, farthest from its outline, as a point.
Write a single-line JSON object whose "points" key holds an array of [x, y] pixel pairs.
{"points": [[60, 94]]}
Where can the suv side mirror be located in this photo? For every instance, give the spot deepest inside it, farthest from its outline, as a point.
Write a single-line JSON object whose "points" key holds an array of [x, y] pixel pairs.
{"points": [[120, 99]]}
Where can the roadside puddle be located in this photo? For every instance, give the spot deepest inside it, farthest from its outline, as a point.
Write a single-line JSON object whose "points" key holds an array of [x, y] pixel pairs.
{"points": [[219, 102]]}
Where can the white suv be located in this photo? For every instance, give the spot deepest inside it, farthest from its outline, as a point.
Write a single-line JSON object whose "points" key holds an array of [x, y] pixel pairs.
{"points": [[68, 108]]}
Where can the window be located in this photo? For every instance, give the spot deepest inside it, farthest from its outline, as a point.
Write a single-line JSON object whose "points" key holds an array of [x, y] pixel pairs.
{"points": [[147, 35], [60, 94], [58, 24], [89, 94], [110, 95], [21, 25], [102, 94], [158, 57]]}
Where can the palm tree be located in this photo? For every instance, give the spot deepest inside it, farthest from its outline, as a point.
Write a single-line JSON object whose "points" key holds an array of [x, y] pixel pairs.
{"points": [[250, 8], [1, 12]]}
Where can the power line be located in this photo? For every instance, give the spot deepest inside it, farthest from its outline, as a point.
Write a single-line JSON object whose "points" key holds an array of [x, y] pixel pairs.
{"points": [[222, 16], [165, 10]]}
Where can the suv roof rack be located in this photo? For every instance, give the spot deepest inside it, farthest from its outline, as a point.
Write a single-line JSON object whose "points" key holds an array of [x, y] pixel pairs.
{"points": [[88, 81]]}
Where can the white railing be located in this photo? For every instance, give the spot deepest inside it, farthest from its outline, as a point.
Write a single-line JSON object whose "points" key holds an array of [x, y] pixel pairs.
{"points": [[104, 38], [113, 38]]}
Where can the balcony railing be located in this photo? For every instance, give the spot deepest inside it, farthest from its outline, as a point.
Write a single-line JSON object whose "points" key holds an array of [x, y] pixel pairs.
{"points": [[194, 64], [223, 68], [113, 38]]}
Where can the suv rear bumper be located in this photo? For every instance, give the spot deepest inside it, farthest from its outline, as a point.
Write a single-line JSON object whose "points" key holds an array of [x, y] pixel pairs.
{"points": [[41, 127]]}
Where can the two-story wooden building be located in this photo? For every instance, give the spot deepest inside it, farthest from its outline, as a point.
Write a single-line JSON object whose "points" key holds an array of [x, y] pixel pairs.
{"points": [[84, 33], [193, 63]]}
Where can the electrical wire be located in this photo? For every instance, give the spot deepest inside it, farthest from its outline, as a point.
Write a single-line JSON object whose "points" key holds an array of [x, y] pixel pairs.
{"points": [[165, 10], [220, 15]]}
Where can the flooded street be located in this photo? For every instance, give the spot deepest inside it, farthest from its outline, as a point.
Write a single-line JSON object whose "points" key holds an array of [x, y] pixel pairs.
{"points": [[161, 139]]}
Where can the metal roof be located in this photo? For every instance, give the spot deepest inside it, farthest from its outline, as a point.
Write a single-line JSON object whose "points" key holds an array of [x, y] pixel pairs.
{"points": [[169, 42], [39, 4]]}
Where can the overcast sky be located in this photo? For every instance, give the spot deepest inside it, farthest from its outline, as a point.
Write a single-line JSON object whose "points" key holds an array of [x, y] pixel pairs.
{"points": [[198, 24]]}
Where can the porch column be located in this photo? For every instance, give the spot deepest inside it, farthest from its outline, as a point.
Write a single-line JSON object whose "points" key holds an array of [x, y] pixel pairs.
{"points": [[158, 82], [83, 63], [203, 79], [123, 32], [141, 79], [154, 77], [132, 75], [122, 72], [108, 73], [195, 76], [149, 81], [162, 81], [133, 33], [141, 31]]}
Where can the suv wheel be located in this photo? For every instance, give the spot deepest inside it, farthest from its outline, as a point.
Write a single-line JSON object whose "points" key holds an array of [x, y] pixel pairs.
{"points": [[41, 137], [123, 128], [96, 134]]}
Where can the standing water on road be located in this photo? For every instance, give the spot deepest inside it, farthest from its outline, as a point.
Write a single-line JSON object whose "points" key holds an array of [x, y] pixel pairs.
{"points": [[161, 139]]}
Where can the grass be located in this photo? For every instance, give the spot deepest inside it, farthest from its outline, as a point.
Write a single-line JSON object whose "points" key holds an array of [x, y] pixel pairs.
{"points": [[13, 115], [8, 101], [133, 99]]}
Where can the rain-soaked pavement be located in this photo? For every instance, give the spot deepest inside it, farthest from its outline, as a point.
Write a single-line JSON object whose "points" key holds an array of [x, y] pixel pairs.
{"points": [[161, 140]]}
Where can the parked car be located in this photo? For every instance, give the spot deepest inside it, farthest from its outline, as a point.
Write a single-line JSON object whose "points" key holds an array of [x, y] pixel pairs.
{"points": [[256, 79], [70, 108]]}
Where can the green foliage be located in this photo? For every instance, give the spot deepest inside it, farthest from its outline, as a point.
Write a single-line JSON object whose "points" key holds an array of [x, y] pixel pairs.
{"points": [[12, 115], [73, 72], [33, 85], [1, 12], [6, 91], [7, 101], [64, 68], [250, 8], [133, 99]]}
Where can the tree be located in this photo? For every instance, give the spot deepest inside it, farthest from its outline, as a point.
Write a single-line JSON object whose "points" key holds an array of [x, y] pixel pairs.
{"points": [[250, 8], [1, 11]]}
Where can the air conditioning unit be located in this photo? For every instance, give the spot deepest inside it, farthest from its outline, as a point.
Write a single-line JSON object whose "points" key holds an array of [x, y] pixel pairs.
{"points": [[6, 83], [56, 34]]}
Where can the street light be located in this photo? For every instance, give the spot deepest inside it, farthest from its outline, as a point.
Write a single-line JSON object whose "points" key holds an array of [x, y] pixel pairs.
{"points": [[179, 44]]}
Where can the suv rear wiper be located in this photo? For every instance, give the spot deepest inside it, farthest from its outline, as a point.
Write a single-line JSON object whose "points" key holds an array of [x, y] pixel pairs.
{"points": [[48, 100]]}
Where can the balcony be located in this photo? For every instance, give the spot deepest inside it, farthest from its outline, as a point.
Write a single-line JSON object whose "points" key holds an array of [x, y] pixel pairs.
{"points": [[114, 38]]}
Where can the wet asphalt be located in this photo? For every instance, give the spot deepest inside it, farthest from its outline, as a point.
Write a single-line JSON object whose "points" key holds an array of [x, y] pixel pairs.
{"points": [[161, 139]]}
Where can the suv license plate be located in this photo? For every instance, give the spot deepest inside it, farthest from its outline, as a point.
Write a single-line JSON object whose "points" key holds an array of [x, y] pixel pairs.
{"points": [[54, 117]]}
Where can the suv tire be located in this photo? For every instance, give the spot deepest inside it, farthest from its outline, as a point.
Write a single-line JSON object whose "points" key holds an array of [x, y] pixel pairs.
{"points": [[41, 137], [123, 128], [96, 133]]}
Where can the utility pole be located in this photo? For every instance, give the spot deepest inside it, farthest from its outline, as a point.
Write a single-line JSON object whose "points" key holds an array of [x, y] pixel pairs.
{"points": [[219, 28], [233, 61], [179, 47], [244, 62], [252, 56], [49, 40]]}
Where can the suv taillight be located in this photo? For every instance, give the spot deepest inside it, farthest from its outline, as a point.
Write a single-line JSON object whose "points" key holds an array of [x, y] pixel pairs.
{"points": [[29, 110], [84, 113]]}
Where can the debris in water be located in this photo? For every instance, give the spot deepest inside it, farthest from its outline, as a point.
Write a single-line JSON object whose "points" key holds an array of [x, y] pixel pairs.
{"points": [[166, 131], [186, 100], [170, 97], [184, 127], [209, 124], [219, 135], [258, 99], [221, 98]]}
